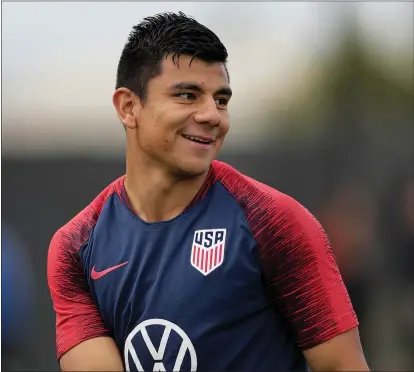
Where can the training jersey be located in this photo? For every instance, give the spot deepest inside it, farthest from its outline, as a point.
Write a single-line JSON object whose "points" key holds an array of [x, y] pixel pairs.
{"points": [[244, 279]]}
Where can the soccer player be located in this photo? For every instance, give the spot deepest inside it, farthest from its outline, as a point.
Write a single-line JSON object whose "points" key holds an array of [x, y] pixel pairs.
{"points": [[183, 263]]}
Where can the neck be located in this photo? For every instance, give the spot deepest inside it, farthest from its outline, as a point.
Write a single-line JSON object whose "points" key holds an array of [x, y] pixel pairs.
{"points": [[156, 196]]}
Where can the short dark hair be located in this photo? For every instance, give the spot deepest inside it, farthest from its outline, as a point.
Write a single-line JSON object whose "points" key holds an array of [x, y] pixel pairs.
{"points": [[158, 37]]}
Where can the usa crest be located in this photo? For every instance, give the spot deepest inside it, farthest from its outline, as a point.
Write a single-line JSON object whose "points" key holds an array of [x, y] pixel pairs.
{"points": [[207, 253]]}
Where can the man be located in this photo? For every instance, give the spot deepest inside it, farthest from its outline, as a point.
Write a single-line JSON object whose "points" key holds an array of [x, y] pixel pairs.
{"points": [[185, 264]]}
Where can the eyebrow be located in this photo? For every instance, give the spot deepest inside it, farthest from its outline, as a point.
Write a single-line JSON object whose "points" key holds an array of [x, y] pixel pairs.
{"points": [[195, 87]]}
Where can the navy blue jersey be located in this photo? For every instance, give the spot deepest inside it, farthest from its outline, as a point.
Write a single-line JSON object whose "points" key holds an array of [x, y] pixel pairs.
{"points": [[243, 280]]}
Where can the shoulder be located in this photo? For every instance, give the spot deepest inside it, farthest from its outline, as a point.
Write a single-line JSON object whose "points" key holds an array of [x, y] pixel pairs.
{"points": [[268, 211], [75, 233], [252, 194], [296, 259]]}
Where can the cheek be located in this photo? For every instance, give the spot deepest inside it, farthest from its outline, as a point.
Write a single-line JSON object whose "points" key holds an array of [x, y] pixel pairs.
{"points": [[166, 122], [155, 130], [158, 138], [163, 141], [225, 125]]}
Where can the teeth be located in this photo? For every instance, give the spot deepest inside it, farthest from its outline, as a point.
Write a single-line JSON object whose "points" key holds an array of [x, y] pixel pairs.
{"points": [[193, 138]]}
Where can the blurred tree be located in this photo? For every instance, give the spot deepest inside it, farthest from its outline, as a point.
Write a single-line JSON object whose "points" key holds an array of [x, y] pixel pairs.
{"points": [[350, 93], [352, 111]]}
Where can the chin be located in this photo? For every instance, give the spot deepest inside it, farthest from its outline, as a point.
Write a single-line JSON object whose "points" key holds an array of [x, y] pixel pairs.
{"points": [[193, 168]]}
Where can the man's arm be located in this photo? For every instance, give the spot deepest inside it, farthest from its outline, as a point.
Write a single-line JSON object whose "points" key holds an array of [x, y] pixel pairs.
{"points": [[96, 354], [306, 286], [341, 353], [82, 342]]}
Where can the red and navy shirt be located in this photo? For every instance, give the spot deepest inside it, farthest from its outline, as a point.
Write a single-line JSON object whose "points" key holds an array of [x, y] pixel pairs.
{"points": [[243, 280]]}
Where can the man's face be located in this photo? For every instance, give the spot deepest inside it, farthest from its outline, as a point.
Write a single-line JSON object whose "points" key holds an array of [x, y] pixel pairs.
{"points": [[184, 120]]}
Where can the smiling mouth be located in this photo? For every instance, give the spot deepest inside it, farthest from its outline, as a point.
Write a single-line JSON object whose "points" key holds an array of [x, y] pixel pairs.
{"points": [[197, 139]]}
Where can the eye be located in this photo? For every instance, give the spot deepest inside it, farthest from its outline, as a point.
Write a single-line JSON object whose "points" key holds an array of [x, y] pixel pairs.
{"points": [[186, 96], [222, 101]]}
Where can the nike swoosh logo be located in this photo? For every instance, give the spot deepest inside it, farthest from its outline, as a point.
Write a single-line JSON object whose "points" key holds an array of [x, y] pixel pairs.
{"points": [[95, 275]]}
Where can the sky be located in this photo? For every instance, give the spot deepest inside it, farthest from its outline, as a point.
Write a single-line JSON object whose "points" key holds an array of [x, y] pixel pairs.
{"points": [[59, 62]]}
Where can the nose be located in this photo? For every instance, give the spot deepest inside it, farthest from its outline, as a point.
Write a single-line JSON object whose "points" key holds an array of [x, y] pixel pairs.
{"points": [[208, 113]]}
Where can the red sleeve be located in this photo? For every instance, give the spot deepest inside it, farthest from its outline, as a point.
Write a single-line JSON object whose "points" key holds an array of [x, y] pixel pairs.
{"points": [[301, 271], [77, 317], [297, 261]]}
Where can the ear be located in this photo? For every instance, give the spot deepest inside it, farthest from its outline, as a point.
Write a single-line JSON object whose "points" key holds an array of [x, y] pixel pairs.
{"points": [[128, 107]]}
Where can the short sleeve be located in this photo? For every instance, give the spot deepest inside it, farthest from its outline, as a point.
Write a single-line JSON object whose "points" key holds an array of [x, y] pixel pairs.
{"points": [[300, 272], [77, 317], [302, 275]]}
